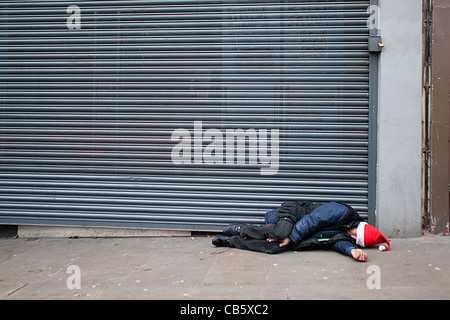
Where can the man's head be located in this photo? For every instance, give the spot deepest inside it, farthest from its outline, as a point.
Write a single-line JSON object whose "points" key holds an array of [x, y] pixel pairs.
{"points": [[367, 235]]}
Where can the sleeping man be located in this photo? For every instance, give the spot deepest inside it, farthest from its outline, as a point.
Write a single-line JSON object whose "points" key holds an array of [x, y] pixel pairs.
{"points": [[305, 225]]}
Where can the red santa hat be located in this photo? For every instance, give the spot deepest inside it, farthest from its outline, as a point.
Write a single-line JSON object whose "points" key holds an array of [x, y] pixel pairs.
{"points": [[367, 235]]}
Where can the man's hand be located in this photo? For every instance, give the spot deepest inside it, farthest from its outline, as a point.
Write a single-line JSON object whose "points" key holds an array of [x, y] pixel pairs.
{"points": [[359, 255], [283, 242]]}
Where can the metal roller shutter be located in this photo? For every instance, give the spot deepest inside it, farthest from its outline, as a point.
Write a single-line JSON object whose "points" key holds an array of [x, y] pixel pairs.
{"points": [[183, 114]]}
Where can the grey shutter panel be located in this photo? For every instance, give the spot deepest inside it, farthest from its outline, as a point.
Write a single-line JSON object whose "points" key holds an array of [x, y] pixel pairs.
{"points": [[155, 114]]}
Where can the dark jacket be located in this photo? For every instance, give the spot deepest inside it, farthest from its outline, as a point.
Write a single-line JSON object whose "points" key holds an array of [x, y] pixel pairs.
{"points": [[326, 227], [319, 225], [329, 216]]}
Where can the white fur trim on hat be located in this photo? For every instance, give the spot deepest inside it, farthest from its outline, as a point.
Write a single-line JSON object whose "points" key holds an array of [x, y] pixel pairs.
{"points": [[360, 234]]}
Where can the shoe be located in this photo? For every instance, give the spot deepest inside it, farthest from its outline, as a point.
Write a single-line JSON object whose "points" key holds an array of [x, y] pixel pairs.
{"points": [[221, 241], [233, 230]]}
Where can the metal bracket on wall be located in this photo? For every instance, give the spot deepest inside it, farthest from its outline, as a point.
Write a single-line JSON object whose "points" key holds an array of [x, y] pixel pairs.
{"points": [[375, 44]]}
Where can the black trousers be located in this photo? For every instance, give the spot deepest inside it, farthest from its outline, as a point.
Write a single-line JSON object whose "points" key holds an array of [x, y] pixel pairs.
{"points": [[280, 230], [263, 246], [253, 237]]}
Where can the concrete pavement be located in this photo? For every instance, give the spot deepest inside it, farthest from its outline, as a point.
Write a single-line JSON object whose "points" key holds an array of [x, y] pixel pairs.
{"points": [[192, 268]]}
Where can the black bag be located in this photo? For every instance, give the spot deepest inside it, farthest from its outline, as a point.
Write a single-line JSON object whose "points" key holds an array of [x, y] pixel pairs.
{"points": [[295, 210]]}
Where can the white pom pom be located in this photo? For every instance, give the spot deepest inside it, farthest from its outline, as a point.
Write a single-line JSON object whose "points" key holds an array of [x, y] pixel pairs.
{"points": [[381, 248]]}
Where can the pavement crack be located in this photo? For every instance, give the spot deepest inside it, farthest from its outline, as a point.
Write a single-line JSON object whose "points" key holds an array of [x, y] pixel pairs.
{"points": [[19, 288]]}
